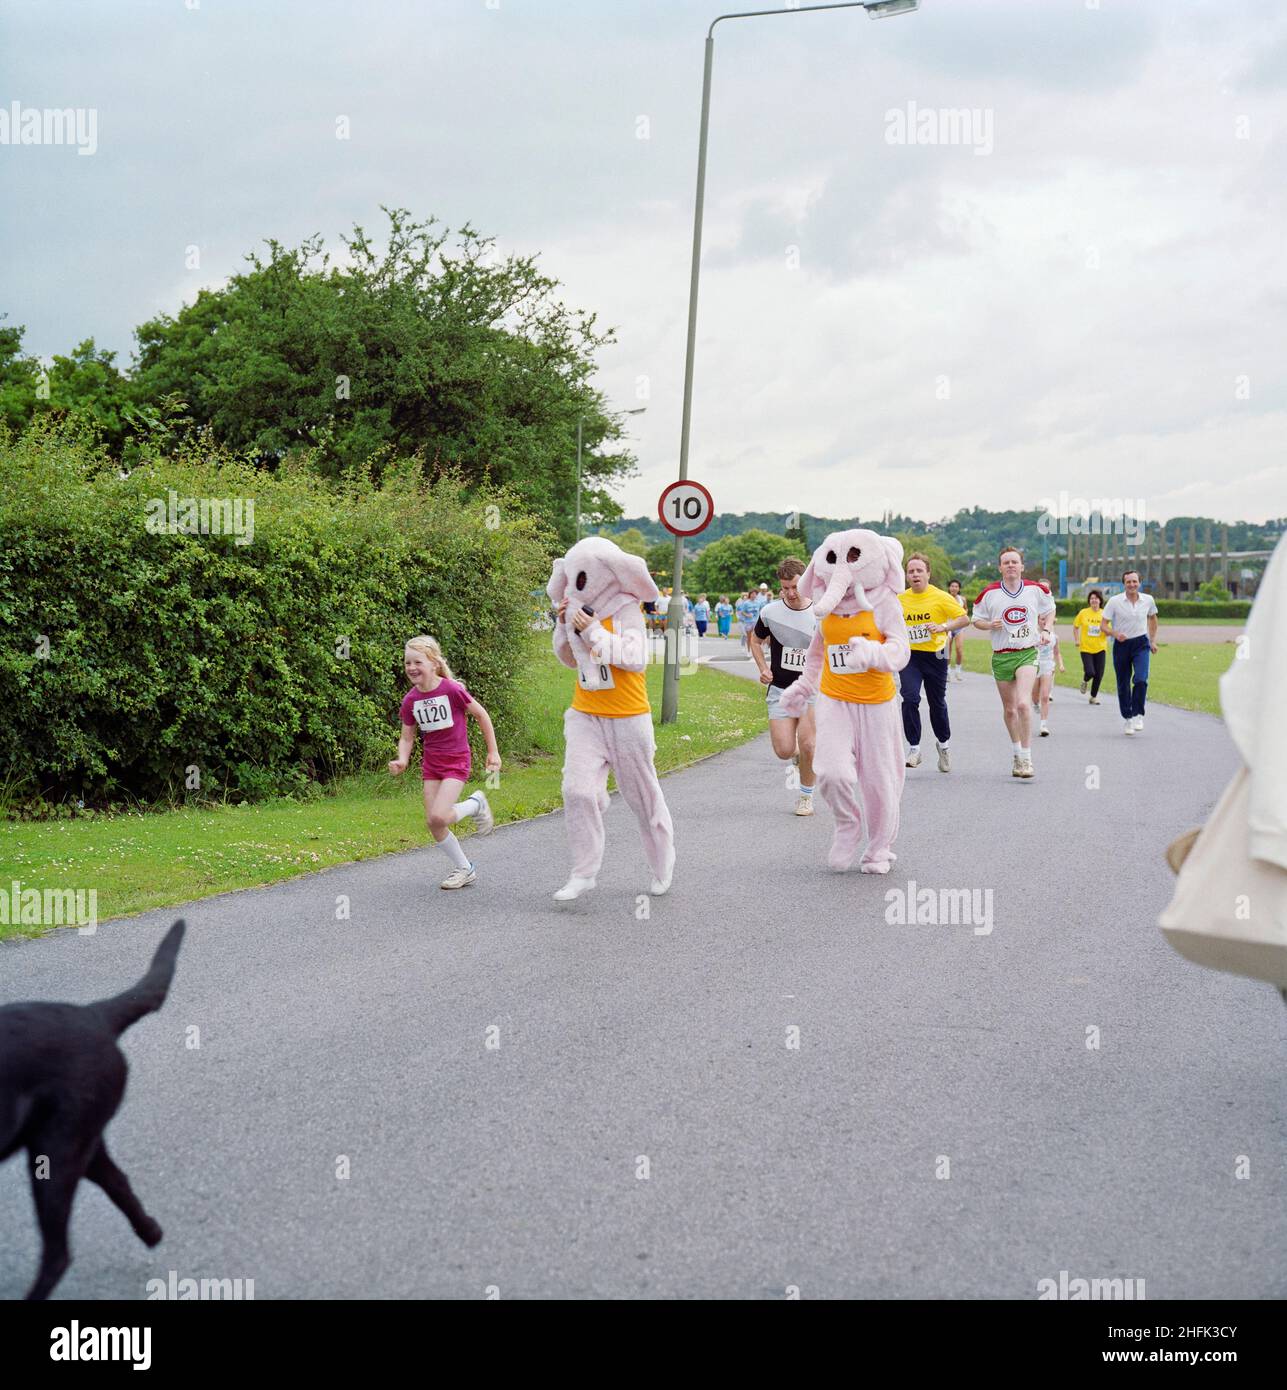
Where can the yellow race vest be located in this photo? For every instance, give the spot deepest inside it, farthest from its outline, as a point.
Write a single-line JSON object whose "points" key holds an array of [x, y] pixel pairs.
{"points": [[609, 691], [860, 687]]}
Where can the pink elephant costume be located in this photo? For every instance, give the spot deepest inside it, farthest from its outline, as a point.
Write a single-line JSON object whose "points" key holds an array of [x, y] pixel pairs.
{"points": [[860, 642], [609, 725]]}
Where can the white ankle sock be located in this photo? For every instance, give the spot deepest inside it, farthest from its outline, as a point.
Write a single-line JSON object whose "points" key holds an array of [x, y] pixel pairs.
{"points": [[470, 806], [1026, 753], [451, 848], [1018, 748]]}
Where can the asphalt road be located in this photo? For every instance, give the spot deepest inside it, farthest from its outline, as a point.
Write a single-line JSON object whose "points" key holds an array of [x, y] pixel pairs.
{"points": [[626, 1037]]}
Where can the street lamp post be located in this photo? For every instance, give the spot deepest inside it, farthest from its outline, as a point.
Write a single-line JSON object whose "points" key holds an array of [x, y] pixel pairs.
{"points": [[876, 9], [580, 420]]}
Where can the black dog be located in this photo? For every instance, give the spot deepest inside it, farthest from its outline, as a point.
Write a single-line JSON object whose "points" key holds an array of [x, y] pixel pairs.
{"points": [[62, 1077]]}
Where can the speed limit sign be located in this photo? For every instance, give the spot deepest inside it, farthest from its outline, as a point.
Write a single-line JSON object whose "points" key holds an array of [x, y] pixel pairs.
{"points": [[686, 508]]}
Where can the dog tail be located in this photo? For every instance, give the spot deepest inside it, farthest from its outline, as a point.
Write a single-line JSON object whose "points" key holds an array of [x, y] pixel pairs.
{"points": [[149, 994]]}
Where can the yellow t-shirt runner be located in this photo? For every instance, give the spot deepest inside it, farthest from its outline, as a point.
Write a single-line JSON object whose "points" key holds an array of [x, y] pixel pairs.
{"points": [[1089, 632], [609, 691], [933, 606]]}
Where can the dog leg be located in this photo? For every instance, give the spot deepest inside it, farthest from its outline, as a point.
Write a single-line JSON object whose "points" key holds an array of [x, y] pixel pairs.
{"points": [[109, 1177], [53, 1198]]}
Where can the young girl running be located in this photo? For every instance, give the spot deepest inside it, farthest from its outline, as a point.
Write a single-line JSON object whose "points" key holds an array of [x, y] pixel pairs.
{"points": [[437, 705], [1041, 695]]}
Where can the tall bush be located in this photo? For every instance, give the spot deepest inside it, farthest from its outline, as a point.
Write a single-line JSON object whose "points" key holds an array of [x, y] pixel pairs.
{"points": [[137, 662]]}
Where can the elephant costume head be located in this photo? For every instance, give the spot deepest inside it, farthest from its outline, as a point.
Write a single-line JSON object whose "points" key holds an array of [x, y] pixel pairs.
{"points": [[851, 567], [598, 574]]}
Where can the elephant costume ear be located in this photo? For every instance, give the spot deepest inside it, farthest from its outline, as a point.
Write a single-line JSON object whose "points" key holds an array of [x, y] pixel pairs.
{"points": [[558, 586], [809, 584], [632, 571], [897, 576]]}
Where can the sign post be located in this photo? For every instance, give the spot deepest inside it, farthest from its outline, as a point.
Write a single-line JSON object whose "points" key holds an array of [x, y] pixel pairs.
{"points": [[685, 509]]}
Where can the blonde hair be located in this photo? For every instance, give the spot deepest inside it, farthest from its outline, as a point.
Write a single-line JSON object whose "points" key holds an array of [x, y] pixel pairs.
{"points": [[428, 648]]}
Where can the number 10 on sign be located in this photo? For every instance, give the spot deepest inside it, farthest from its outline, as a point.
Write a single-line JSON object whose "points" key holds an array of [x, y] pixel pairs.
{"points": [[686, 508]]}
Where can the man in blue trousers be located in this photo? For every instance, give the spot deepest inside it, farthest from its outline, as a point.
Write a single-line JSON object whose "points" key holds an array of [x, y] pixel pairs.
{"points": [[1131, 618]]}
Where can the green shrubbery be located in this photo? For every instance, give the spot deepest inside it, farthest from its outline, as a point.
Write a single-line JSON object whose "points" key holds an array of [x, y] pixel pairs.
{"points": [[129, 657], [1173, 609]]}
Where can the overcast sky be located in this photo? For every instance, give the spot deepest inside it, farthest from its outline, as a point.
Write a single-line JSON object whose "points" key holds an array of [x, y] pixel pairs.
{"points": [[1087, 294]]}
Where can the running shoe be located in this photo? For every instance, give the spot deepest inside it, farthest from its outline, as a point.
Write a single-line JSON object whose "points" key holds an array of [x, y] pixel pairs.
{"points": [[1139, 723], [1045, 729], [1094, 700], [804, 805], [484, 821], [914, 758], [1130, 727], [1015, 766], [1084, 684], [944, 759], [1025, 768], [459, 878]]}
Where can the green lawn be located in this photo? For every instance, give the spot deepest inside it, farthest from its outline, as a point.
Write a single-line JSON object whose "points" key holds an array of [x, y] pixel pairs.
{"points": [[141, 861], [1184, 674]]}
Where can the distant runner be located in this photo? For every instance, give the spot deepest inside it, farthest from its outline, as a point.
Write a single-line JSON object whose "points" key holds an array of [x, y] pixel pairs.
{"points": [[931, 614], [1020, 615], [1125, 616], [788, 623], [956, 642]]}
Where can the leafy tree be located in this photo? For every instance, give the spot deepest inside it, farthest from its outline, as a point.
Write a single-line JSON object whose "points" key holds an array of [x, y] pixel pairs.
{"points": [[433, 346], [797, 531], [18, 377], [631, 541], [942, 567], [660, 559], [738, 562], [1213, 590]]}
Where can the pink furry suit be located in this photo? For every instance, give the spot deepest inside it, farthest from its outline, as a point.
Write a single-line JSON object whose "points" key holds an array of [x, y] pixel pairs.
{"points": [[609, 726], [860, 642]]}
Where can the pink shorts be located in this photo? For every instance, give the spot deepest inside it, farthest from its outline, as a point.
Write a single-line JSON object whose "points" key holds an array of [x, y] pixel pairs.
{"points": [[440, 771]]}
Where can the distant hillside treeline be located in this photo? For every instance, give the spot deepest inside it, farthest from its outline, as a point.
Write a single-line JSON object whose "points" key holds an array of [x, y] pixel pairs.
{"points": [[972, 537]]}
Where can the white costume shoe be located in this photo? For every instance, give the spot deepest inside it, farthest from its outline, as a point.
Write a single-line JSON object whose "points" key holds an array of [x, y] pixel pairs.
{"points": [[573, 888]]}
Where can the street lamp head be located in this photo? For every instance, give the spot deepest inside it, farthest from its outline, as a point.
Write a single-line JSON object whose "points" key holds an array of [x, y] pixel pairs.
{"points": [[883, 9]]}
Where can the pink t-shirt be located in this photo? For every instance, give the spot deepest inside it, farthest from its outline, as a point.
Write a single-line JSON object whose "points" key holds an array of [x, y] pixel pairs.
{"points": [[439, 714]]}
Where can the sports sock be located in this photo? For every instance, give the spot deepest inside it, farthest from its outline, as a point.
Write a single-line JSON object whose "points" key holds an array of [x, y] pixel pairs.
{"points": [[1026, 753], [470, 806], [805, 791], [913, 748], [451, 847], [941, 745], [1018, 748]]}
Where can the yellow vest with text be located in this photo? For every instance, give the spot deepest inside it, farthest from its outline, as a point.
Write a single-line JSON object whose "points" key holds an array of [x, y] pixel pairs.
{"points": [[860, 687], [933, 606], [625, 697]]}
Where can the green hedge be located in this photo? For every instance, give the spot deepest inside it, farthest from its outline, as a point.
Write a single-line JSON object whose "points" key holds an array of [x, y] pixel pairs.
{"points": [[128, 657], [1235, 610]]}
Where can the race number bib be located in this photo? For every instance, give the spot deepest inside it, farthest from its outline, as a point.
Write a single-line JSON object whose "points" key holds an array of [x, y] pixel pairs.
{"points": [[1092, 629], [919, 632], [433, 713], [596, 676], [793, 658], [1020, 631], [841, 660]]}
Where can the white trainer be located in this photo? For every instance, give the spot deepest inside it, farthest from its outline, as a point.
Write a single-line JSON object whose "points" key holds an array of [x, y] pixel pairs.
{"points": [[944, 758], [1130, 727], [459, 878], [1045, 729], [914, 757], [1139, 723], [573, 888], [484, 821], [1015, 766], [804, 805], [1025, 768]]}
